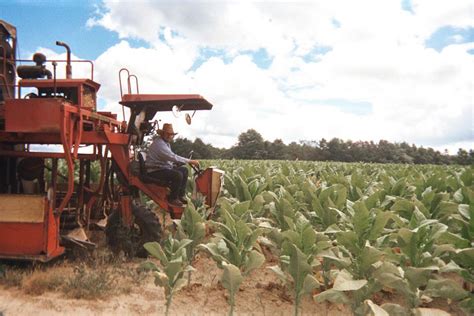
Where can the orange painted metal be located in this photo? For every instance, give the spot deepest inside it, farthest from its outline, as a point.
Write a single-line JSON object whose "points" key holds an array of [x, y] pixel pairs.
{"points": [[63, 112], [203, 184], [126, 210], [23, 240], [29, 115]]}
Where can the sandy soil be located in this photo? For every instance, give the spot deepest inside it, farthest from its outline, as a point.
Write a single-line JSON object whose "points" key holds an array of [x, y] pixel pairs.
{"points": [[260, 294]]}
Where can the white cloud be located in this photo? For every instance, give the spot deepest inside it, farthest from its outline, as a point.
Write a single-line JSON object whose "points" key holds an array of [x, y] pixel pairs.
{"points": [[377, 57]]}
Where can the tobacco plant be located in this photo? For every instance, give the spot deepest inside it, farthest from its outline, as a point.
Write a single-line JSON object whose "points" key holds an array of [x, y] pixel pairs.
{"points": [[355, 256], [174, 263], [191, 226], [299, 245], [298, 273], [233, 250]]}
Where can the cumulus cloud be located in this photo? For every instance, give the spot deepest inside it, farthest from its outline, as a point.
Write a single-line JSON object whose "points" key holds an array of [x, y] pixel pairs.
{"points": [[375, 55]]}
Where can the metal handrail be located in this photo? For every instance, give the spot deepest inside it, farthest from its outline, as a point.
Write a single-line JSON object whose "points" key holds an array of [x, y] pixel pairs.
{"points": [[65, 61]]}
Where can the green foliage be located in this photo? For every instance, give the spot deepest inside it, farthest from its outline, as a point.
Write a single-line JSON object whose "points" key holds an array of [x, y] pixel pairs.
{"points": [[298, 272], [174, 264], [231, 280], [251, 145], [357, 227], [233, 249]]}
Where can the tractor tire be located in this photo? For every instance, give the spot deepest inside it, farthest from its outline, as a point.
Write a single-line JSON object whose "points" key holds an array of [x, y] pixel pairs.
{"points": [[146, 228]]}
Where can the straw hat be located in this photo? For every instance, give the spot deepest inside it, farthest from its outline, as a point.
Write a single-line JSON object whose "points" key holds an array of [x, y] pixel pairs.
{"points": [[167, 128]]}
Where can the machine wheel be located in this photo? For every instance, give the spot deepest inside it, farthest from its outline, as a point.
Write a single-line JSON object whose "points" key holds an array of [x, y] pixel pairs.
{"points": [[146, 228]]}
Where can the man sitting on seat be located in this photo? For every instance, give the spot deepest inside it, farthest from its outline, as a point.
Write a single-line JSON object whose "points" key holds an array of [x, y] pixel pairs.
{"points": [[160, 162]]}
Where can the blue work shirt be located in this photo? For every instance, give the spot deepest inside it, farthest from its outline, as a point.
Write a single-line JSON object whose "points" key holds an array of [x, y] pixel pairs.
{"points": [[160, 156]]}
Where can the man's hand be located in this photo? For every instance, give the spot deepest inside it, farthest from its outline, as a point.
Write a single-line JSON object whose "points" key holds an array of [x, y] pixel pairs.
{"points": [[195, 163]]}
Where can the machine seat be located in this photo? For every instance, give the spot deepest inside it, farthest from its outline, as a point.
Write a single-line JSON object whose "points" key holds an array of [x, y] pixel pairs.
{"points": [[145, 177]]}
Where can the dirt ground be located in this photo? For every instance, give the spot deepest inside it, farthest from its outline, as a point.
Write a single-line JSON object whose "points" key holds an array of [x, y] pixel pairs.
{"points": [[260, 294], [103, 284]]}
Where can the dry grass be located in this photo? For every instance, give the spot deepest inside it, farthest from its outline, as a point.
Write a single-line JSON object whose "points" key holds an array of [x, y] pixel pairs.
{"points": [[97, 276], [12, 277], [40, 282], [87, 283]]}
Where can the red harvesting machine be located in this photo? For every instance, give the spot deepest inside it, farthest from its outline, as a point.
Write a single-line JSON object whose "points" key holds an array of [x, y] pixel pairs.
{"points": [[52, 199]]}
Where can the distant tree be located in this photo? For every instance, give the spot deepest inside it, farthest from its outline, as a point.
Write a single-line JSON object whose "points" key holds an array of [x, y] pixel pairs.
{"points": [[462, 157], [182, 146], [295, 151], [201, 150], [277, 150], [250, 146], [338, 150], [323, 149]]}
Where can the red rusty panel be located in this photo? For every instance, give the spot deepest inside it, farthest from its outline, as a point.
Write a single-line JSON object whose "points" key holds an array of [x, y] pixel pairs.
{"points": [[21, 238], [33, 115]]}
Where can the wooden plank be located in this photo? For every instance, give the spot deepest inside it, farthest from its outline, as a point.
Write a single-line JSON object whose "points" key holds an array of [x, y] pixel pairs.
{"points": [[22, 208]]}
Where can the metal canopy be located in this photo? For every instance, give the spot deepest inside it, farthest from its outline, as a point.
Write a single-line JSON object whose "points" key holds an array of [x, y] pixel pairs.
{"points": [[165, 102]]}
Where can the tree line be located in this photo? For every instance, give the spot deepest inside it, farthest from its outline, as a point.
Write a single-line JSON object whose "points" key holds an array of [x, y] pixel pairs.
{"points": [[251, 145]]}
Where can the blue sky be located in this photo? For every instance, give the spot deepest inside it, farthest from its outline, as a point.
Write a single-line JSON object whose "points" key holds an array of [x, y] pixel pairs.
{"points": [[400, 72]]}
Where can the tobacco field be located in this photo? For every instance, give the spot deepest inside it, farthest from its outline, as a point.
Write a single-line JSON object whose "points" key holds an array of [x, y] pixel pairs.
{"points": [[336, 232], [301, 238]]}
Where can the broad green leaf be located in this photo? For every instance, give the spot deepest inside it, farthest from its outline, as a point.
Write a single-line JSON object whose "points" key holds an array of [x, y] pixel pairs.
{"points": [[269, 196], [149, 266], [360, 219], [333, 296], [241, 208], [348, 239], [458, 197], [182, 244], [299, 267], [156, 251], [441, 249], [173, 270], [251, 239], [236, 255], [308, 238], [454, 239], [381, 219], [279, 272], [345, 282], [242, 230], [463, 209], [231, 279], [243, 188], [255, 260], [374, 309], [310, 283], [338, 262], [465, 257], [446, 208], [395, 309], [224, 230], [213, 250], [404, 207], [451, 267], [419, 276], [368, 256], [445, 288]]}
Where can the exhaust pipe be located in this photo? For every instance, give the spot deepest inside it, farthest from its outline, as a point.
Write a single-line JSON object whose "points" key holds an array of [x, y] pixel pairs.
{"points": [[68, 60]]}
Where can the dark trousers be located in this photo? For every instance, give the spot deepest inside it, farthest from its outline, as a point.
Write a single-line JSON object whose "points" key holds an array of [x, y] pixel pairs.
{"points": [[176, 178]]}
